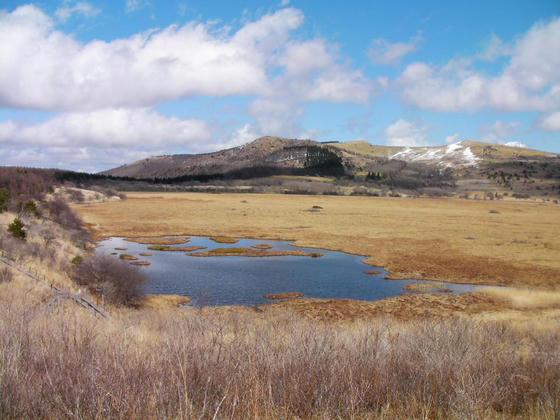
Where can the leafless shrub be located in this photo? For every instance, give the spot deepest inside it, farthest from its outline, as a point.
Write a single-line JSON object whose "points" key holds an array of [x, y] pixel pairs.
{"points": [[76, 195], [117, 281], [6, 275], [216, 366]]}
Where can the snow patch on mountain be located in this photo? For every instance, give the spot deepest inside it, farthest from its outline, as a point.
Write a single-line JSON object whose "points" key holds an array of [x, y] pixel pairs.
{"points": [[455, 154]]}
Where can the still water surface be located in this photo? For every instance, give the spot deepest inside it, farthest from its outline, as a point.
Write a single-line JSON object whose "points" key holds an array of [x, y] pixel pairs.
{"points": [[235, 280]]}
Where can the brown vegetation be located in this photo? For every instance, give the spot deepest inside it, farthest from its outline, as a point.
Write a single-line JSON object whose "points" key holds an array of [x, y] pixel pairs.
{"points": [[157, 240], [141, 263], [250, 252], [399, 234], [115, 281], [127, 257], [145, 254], [284, 295], [425, 286], [223, 239], [147, 364], [262, 246], [175, 248], [372, 271]]}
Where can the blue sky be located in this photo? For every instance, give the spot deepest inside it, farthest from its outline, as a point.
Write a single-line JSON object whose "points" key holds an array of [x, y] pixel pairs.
{"points": [[89, 85]]}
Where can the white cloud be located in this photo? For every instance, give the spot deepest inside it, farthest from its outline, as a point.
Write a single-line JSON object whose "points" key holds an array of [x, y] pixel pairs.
{"points": [[499, 131], [452, 138], [284, 3], [529, 81], [43, 68], [405, 133], [383, 51], [81, 8], [276, 117], [106, 128], [494, 49], [135, 5], [551, 122]]}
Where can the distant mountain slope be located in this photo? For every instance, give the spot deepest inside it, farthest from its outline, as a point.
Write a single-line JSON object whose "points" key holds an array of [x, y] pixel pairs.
{"points": [[464, 153], [275, 155], [265, 151]]}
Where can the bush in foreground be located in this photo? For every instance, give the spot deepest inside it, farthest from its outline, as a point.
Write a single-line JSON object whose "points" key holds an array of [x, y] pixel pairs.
{"points": [[115, 280]]}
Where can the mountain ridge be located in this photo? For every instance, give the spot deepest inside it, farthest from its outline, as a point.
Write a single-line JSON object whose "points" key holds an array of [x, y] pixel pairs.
{"points": [[279, 154]]}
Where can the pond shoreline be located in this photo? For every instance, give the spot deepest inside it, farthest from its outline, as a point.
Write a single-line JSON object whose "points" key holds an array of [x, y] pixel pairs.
{"points": [[225, 279]]}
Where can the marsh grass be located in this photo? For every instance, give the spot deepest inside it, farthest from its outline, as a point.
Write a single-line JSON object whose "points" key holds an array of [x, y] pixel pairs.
{"points": [[175, 248], [127, 257], [159, 240], [284, 295], [141, 263], [223, 239], [61, 363], [251, 252], [426, 286], [262, 246], [524, 298]]}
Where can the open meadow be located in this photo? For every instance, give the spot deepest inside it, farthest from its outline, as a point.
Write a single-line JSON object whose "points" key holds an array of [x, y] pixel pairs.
{"points": [[514, 243]]}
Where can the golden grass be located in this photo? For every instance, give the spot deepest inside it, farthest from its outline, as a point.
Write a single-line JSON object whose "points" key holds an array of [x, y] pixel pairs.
{"points": [[141, 263], [524, 298], [262, 246], [372, 271], [284, 295], [412, 238], [251, 252], [160, 240], [175, 248], [120, 248], [127, 257], [164, 301], [425, 286], [223, 239], [145, 254]]}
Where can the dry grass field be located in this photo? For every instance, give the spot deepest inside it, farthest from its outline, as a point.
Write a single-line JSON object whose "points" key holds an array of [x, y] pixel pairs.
{"points": [[515, 243]]}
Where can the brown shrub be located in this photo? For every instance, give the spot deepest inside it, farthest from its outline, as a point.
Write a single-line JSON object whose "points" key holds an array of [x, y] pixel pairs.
{"points": [[115, 280], [6, 275], [199, 364]]}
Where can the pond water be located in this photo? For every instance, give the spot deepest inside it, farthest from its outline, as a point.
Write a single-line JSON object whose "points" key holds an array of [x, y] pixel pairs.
{"points": [[237, 280]]}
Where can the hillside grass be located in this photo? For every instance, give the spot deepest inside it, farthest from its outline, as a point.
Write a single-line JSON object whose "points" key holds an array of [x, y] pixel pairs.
{"points": [[444, 239]]}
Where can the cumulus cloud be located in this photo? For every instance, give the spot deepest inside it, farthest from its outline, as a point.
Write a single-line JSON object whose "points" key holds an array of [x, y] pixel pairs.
{"points": [[452, 138], [135, 5], [44, 68], [498, 131], [383, 51], [106, 128], [495, 48], [551, 122], [81, 8], [405, 133], [529, 81]]}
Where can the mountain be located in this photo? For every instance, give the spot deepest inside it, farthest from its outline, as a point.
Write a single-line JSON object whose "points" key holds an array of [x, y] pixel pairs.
{"points": [[279, 154], [269, 154], [464, 166]]}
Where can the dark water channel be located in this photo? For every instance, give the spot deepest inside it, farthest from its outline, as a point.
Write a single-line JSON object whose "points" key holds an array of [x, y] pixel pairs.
{"points": [[244, 280]]}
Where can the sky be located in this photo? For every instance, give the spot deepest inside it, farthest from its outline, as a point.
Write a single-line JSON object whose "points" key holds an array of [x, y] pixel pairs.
{"points": [[90, 85]]}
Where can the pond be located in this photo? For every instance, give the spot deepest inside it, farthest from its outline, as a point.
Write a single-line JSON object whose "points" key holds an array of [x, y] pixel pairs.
{"points": [[242, 280]]}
